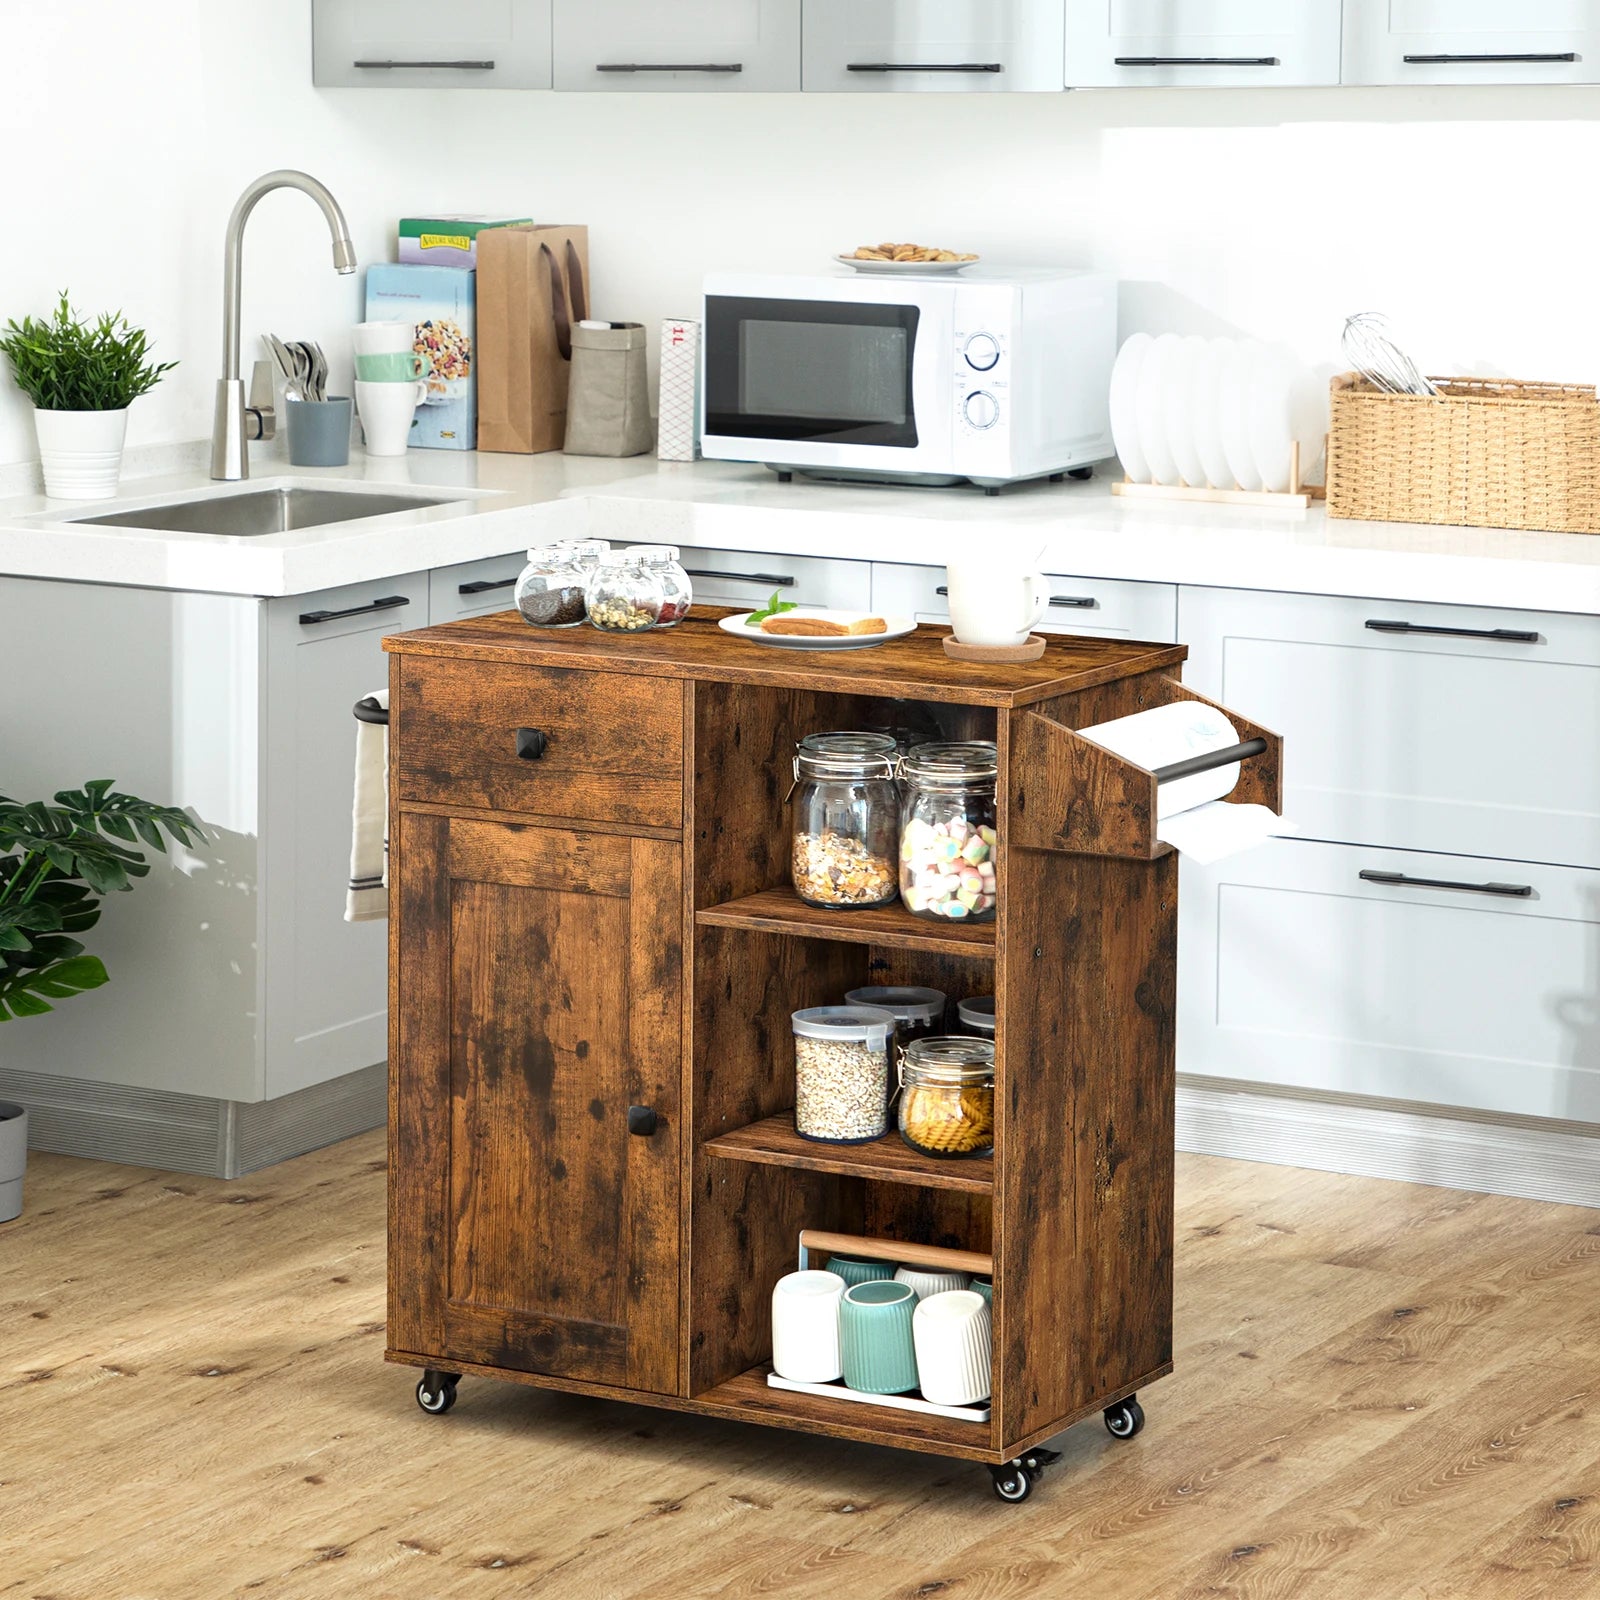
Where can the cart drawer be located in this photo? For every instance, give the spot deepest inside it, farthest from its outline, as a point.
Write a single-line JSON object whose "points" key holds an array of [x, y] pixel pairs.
{"points": [[468, 734]]}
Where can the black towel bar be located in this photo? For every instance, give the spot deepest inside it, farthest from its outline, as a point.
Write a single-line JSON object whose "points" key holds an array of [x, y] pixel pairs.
{"points": [[366, 709], [1217, 758]]}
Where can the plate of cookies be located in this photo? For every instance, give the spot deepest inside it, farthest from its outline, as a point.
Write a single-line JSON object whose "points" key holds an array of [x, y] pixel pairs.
{"points": [[816, 629], [912, 258]]}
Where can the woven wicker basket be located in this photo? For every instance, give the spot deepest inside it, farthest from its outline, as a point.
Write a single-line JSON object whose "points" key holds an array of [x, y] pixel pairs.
{"points": [[1485, 453]]}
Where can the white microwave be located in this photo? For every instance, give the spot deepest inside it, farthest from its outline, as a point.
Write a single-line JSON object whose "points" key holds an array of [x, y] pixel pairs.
{"points": [[987, 377]]}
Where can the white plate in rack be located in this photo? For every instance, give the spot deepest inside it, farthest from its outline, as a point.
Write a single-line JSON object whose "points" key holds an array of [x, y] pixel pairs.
{"points": [[897, 628]]}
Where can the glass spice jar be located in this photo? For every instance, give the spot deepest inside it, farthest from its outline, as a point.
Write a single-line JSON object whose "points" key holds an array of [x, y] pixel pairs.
{"points": [[624, 595], [918, 1013], [841, 1073], [948, 831], [677, 593], [550, 590], [846, 820], [947, 1096], [977, 1016], [588, 551]]}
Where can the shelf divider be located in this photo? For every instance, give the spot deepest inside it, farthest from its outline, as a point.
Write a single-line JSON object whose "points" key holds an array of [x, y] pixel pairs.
{"points": [[781, 911]]}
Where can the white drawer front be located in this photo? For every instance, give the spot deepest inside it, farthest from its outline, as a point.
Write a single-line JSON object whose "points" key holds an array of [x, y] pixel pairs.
{"points": [[925, 46], [705, 46], [474, 588], [745, 578], [1465, 742], [1295, 970], [1259, 44], [1077, 605], [408, 44], [1471, 41]]}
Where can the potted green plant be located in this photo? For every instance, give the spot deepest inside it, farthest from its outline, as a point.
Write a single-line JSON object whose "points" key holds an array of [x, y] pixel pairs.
{"points": [[56, 862], [82, 377]]}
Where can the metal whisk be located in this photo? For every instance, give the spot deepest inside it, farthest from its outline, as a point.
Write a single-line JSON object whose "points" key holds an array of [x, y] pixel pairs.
{"points": [[1369, 349]]}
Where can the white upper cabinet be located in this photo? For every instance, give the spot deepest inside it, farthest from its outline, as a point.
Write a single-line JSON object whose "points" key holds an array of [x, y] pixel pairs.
{"points": [[1202, 43], [1471, 41], [479, 44], [867, 46], [699, 45]]}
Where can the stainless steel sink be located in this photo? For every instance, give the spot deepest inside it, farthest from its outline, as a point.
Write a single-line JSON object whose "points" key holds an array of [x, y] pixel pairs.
{"points": [[259, 511]]}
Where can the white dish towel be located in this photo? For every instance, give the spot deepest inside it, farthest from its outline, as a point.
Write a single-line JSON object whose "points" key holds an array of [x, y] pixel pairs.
{"points": [[367, 899]]}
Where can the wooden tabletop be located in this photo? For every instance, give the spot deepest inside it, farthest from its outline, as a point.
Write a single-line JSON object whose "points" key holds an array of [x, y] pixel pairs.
{"points": [[914, 667]]}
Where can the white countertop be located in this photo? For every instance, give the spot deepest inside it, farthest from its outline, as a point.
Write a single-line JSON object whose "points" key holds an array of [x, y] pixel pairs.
{"points": [[1076, 529]]}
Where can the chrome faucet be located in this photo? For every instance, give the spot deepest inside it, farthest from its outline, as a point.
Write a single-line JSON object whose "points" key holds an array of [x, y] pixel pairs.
{"points": [[235, 421]]}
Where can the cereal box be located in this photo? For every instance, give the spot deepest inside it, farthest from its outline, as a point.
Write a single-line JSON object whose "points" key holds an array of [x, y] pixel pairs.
{"points": [[440, 301], [447, 241]]}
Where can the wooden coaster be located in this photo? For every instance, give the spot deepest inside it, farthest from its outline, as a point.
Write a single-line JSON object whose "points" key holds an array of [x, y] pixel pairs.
{"points": [[1031, 651]]}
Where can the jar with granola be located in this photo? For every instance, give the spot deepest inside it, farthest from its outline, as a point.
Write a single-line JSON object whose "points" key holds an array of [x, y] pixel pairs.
{"points": [[846, 820]]}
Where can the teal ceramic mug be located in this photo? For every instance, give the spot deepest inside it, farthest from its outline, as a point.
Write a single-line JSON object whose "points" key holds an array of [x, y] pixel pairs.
{"points": [[876, 1347], [393, 366], [983, 1286], [857, 1269]]}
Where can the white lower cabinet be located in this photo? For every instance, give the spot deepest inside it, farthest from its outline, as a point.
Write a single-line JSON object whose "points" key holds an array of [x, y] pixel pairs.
{"points": [[738, 578], [1106, 606], [1441, 979], [474, 588], [411, 44], [697, 45], [1471, 41]]}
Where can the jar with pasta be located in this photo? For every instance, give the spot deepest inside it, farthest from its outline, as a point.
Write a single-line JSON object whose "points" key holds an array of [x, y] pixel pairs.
{"points": [[947, 1096]]}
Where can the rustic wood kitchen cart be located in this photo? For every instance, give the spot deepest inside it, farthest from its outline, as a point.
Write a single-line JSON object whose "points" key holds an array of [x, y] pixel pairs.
{"points": [[594, 1179]]}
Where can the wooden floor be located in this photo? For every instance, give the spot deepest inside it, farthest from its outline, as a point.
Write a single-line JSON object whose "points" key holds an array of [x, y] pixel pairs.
{"points": [[1381, 1392]]}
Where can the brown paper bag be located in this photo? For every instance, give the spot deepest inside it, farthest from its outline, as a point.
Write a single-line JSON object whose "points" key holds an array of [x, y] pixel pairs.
{"points": [[532, 286]]}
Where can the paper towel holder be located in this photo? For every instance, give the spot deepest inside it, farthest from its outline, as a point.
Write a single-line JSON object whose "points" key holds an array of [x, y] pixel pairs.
{"points": [[1209, 761]]}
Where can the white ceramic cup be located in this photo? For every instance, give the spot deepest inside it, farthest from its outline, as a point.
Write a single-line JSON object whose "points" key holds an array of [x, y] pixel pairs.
{"points": [[953, 1339], [387, 411], [805, 1327], [925, 1281], [994, 603], [382, 338]]}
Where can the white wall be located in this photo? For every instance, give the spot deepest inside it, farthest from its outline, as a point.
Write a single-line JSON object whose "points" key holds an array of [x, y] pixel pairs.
{"points": [[130, 129]]}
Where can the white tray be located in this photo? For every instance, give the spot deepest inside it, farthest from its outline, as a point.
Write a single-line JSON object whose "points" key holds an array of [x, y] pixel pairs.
{"points": [[898, 1402]]}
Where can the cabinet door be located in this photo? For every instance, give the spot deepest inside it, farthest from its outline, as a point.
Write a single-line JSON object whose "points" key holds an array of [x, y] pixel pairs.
{"points": [[702, 45], [1444, 728], [435, 44], [1311, 966], [928, 45], [1200, 43], [1103, 606], [326, 994], [538, 994], [745, 578], [474, 588], [1471, 41]]}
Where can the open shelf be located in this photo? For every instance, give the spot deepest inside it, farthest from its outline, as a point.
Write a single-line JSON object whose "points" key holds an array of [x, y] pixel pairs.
{"points": [[774, 1143], [890, 927]]}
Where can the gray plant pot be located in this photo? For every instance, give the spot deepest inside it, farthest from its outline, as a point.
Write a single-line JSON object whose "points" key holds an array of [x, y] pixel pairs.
{"points": [[13, 1159]]}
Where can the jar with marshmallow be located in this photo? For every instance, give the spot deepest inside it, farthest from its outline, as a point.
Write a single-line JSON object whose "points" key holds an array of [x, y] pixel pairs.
{"points": [[948, 831]]}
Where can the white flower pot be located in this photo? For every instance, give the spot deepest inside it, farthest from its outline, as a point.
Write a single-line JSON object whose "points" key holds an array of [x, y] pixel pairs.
{"points": [[13, 1159], [81, 452]]}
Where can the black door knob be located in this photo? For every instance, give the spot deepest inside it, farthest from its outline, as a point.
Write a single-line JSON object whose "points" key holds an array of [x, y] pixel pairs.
{"points": [[531, 743], [642, 1121]]}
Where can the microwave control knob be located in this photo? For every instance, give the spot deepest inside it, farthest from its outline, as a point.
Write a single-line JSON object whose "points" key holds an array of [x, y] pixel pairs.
{"points": [[982, 352], [981, 410]]}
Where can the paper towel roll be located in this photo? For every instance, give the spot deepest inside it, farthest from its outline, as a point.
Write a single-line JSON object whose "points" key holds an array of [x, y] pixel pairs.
{"points": [[1188, 815]]}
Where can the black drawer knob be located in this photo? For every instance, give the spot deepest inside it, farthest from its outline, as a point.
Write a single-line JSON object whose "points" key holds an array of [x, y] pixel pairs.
{"points": [[642, 1121], [531, 743]]}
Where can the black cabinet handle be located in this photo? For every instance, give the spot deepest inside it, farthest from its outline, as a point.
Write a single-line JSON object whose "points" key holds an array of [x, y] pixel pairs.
{"points": [[925, 66], [778, 580], [1502, 635], [1197, 61], [447, 66], [1535, 56], [1510, 891], [1212, 759], [669, 66], [387, 603], [642, 1120], [532, 744], [1074, 602], [484, 585]]}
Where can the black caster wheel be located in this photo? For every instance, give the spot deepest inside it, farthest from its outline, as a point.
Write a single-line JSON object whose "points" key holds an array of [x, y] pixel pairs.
{"points": [[1013, 1482], [437, 1391], [1081, 474], [1058, 477], [1125, 1418], [1038, 1459], [992, 491], [785, 477]]}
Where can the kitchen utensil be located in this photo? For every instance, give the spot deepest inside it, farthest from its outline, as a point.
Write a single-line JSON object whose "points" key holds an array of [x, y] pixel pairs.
{"points": [[292, 387], [875, 1339], [319, 431], [1150, 409], [926, 1280], [993, 601], [1233, 409], [393, 366], [1374, 354], [1205, 412], [388, 412], [1123, 406], [319, 368], [895, 628], [951, 1335], [805, 1327], [1177, 413], [375, 338]]}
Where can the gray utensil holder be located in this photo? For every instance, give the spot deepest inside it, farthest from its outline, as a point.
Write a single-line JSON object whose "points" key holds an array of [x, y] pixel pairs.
{"points": [[319, 431], [608, 401]]}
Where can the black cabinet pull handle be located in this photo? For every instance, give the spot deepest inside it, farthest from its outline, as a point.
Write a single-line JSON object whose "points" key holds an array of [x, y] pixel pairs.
{"points": [[447, 66], [669, 66], [484, 585], [387, 603], [1212, 759], [1074, 602], [1197, 61], [778, 580], [532, 744], [925, 66], [1510, 891], [642, 1120], [1535, 56], [1502, 635]]}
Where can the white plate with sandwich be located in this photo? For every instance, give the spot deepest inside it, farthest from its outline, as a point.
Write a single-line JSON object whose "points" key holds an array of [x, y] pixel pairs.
{"points": [[813, 628]]}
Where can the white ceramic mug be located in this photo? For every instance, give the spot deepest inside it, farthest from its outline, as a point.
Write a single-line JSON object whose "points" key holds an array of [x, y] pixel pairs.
{"points": [[387, 411], [953, 1338], [994, 603], [805, 1327], [926, 1281], [382, 338]]}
